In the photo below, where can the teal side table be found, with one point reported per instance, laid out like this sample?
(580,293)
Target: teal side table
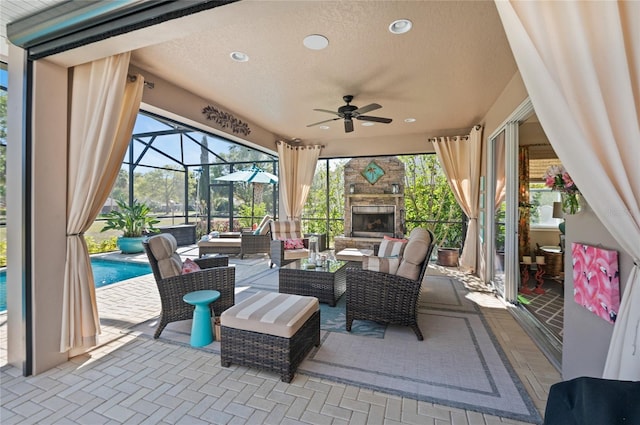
(201,331)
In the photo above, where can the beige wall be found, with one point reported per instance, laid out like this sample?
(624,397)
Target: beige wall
(586,336)
(173,102)
(48,223)
(510,98)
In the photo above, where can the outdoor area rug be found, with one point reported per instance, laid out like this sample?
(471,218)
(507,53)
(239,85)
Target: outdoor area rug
(459,363)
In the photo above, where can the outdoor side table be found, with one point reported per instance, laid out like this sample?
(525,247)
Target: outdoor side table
(201,330)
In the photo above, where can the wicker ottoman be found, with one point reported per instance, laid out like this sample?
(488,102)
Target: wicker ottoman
(270,331)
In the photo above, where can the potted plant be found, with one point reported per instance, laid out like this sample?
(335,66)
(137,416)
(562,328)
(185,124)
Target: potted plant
(134,221)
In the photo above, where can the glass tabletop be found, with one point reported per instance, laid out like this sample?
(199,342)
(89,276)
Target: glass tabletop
(331,266)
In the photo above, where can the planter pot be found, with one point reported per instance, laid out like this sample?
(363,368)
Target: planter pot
(448,257)
(130,245)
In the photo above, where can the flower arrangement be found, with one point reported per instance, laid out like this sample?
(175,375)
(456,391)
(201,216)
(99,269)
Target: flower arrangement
(557,178)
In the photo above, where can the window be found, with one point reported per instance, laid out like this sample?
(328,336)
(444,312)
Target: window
(542,198)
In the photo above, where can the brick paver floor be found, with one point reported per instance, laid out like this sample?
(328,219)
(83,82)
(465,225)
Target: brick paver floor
(143,381)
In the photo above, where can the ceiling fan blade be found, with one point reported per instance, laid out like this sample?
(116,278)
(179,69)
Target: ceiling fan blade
(328,111)
(368,108)
(348,126)
(374,119)
(322,122)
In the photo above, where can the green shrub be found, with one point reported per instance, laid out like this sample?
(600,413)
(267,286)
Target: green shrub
(105,245)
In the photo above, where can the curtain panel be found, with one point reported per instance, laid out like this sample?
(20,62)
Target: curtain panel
(297,168)
(524,207)
(580,62)
(461,160)
(104,106)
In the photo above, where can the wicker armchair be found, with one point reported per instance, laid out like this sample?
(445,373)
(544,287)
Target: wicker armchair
(172,286)
(281,230)
(254,244)
(390,298)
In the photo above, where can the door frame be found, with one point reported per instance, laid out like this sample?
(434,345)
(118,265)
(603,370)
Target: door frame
(511,261)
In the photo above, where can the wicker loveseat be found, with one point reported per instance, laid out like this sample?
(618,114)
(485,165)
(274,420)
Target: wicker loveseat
(172,285)
(390,297)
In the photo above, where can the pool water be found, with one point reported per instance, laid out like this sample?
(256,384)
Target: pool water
(105,272)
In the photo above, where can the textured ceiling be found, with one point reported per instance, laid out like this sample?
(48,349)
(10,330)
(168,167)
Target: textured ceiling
(446,72)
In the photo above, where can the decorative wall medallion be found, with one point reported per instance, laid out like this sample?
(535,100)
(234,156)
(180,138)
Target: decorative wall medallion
(372,172)
(226,120)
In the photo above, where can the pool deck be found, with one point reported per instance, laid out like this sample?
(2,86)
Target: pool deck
(127,376)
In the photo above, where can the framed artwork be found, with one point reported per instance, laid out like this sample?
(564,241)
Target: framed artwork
(596,280)
(372,172)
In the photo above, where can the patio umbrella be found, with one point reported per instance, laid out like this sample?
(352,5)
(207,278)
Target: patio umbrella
(254,174)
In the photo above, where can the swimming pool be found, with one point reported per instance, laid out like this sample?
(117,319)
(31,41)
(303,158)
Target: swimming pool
(105,272)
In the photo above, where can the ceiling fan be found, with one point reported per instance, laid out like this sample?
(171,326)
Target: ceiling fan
(350,112)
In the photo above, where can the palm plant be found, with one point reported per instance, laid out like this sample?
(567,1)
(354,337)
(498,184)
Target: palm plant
(134,220)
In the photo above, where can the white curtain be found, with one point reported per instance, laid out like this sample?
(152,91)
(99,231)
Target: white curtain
(461,160)
(297,167)
(104,106)
(580,62)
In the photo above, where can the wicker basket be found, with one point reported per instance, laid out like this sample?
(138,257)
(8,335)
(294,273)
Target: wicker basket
(553,263)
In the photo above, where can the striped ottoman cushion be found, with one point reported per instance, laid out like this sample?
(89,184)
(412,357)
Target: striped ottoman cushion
(271,313)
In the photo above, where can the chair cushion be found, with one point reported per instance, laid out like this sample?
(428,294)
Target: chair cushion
(381,264)
(295,254)
(271,313)
(415,254)
(264,229)
(163,247)
(286,230)
(392,248)
(263,222)
(189,266)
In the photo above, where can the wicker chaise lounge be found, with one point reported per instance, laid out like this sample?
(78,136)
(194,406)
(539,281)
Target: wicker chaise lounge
(390,297)
(166,266)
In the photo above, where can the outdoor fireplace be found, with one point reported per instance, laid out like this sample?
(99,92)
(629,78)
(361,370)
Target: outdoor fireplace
(373,221)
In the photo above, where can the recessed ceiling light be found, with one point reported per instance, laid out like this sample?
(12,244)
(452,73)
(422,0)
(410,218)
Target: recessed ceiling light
(315,42)
(324,127)
(239,56)
(409,120)
(367,124)
(400,26)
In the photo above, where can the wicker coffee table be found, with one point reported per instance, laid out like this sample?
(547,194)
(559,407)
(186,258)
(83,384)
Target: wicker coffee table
(325,283)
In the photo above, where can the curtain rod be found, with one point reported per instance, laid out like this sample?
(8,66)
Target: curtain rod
(435,139)
(133,78)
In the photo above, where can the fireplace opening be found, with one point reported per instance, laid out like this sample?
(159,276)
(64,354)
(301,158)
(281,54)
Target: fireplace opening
(374,221)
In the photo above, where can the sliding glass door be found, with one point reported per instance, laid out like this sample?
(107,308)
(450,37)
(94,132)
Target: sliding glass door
(502,205)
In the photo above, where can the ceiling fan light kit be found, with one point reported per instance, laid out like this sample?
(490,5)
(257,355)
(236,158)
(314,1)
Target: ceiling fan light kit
(349,112)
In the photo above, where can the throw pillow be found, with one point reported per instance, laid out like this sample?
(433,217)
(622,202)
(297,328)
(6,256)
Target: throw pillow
(189,266)
(390,248)
(389,238)
(293,243)
(381,264)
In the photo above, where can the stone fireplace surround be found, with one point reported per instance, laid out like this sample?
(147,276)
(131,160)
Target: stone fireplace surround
(365,194)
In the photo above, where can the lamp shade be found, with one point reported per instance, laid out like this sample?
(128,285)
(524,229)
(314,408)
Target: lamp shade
(557,210)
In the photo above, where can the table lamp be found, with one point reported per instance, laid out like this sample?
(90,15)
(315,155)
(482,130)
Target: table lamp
(558,213)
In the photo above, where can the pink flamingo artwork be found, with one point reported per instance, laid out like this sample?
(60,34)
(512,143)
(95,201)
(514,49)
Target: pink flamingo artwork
(596,280)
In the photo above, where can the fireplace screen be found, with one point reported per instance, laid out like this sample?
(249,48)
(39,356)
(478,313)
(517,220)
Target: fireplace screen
(373,221)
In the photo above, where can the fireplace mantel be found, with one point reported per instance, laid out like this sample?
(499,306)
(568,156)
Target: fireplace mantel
(374,195)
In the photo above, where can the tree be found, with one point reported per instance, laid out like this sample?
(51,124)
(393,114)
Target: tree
(165,186)
(429,201)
